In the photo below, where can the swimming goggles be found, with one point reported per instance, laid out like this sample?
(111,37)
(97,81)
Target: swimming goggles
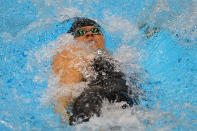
(81,32)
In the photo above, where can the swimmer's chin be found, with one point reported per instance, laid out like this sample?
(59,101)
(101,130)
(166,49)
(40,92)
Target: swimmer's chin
(90,44)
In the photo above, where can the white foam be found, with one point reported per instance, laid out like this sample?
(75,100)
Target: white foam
(114,118)
(177,16)
(56,90)
(6,37)
(118,24)
(7,124)
(128,56)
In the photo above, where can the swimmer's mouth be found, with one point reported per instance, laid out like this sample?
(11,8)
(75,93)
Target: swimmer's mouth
(91,41)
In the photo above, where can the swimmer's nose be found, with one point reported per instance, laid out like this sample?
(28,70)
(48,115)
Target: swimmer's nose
(89,34)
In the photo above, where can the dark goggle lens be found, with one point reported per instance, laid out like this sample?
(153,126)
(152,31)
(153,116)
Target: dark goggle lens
(95,31)
(80,33)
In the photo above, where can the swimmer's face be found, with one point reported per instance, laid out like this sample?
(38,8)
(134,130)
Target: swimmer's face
(91,35)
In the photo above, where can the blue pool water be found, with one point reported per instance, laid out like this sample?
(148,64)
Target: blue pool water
(167,59)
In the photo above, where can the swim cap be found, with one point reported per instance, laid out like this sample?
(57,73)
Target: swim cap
(81,22)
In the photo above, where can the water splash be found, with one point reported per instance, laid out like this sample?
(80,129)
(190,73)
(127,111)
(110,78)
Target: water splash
(26,53)
(177,17)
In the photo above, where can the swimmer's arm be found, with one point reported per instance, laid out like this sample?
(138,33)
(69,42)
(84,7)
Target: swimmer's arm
(64,62)
(62,66)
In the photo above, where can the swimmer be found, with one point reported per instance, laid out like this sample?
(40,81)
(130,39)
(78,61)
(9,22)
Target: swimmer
(107,84)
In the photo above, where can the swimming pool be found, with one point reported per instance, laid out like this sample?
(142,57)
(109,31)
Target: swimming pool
(166,60)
